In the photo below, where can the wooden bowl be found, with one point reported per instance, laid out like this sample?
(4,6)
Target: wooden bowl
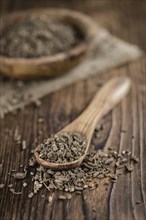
(54,65)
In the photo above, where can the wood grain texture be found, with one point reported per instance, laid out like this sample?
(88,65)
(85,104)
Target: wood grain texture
(124,127)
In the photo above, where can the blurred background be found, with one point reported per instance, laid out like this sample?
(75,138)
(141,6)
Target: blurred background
(126,19)
(122,128)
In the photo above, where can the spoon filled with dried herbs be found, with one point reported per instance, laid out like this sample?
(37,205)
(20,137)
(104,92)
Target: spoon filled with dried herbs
(68,148)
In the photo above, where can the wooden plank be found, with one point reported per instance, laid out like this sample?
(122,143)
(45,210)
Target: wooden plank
(133,184)
(124,127)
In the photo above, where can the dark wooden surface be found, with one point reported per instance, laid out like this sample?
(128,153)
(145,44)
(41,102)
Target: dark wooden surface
(125,200)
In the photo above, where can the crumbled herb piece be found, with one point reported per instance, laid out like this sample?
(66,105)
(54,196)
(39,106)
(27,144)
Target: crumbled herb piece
(40,120)
(14,192)
(32,162)
(79,192)
(108,161)
(23,145)
(113,176)
(24,184)
(135,158)
(124,160)
(123,152)
(37,102)
(35,36)
(50,199)
(94,209)
(69,196)
(62,197)
(129,167)
(30,195)
(64,147)
(19,176)
(2,186)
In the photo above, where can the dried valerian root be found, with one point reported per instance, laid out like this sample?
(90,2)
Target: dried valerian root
(63,147)
(19,176)
(14,192)
(24,145)
(36,37)
(96,165)
(2,185)
(134,158)
(30,195)
(129,168)
(63,197)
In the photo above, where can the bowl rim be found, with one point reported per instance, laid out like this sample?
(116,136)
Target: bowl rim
(75,51)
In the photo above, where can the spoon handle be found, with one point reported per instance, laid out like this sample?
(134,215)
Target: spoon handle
(104,101)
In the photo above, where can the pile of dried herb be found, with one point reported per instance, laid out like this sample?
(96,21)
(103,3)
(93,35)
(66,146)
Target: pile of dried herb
(97,165)
(36,37)
(62,148)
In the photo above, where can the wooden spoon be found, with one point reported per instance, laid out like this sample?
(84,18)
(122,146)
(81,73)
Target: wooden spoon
(108,96)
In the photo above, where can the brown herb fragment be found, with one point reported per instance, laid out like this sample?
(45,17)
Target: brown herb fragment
(129,168)
(124,160)
(64,147)
(45,38)
(71,189)
(128,152)
(111,148)
(96,174)
(40,120)
(79,192)
(50,199)
(19,176)
(110,160)
(18,139)
(37,103)
(94,209)
(123,152)
(14,192)
(2,185)
(16,134)
(113,177)
(23,145)
(32,162)
(118,165)
(62,197)
(135,158)
(69,196)
(24,184)
(30,195)
(119,173)
(78,188)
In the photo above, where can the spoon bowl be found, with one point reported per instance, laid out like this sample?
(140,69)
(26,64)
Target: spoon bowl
(103,102)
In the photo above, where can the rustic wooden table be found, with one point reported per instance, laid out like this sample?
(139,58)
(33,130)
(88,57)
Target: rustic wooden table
(124,127)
